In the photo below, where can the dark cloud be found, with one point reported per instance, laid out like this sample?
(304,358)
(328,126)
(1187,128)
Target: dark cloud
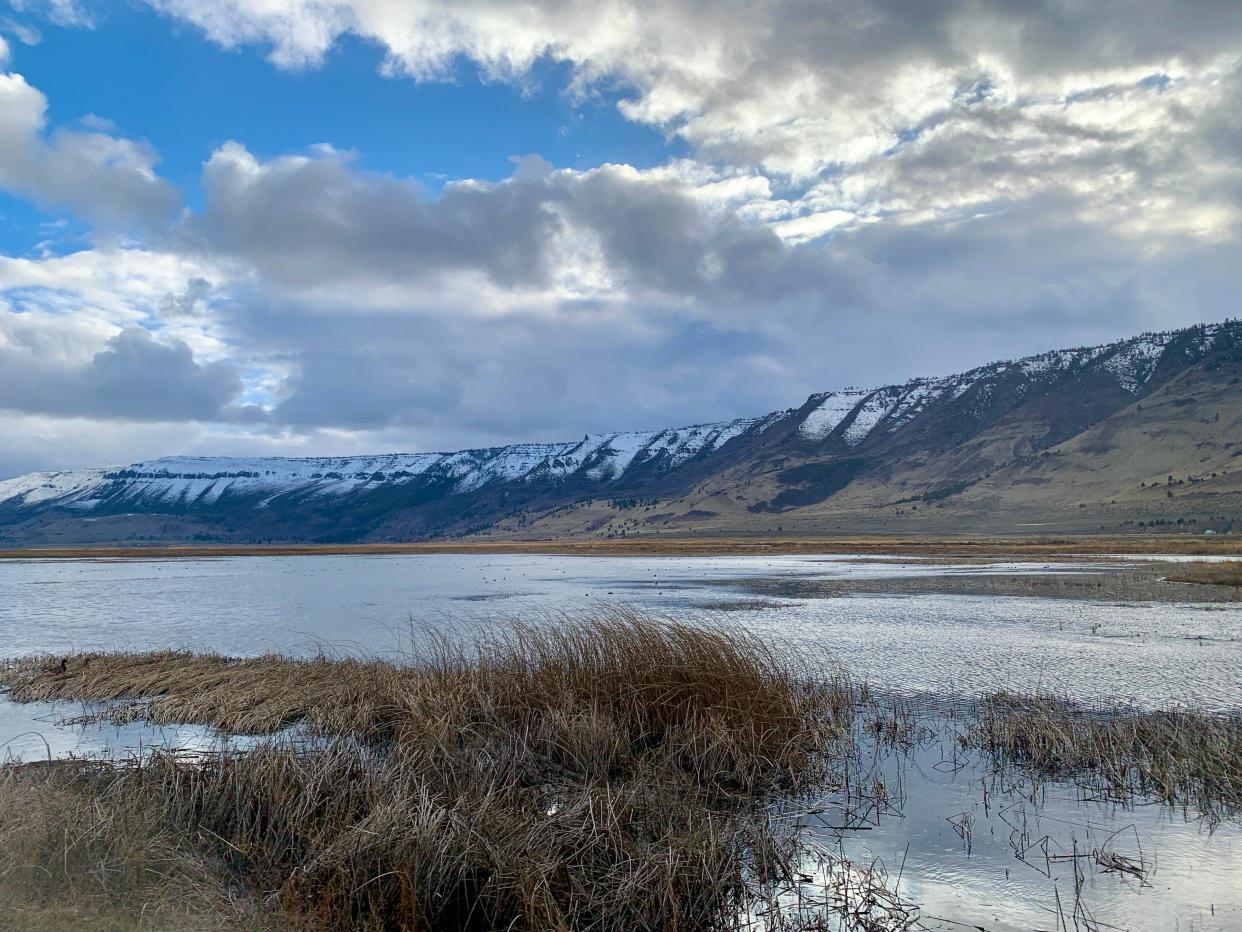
(188,302)
(309,221)
(305,220)
(458,381)
(134,378)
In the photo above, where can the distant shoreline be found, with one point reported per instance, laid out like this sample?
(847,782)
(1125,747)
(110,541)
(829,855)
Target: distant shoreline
(1060,546)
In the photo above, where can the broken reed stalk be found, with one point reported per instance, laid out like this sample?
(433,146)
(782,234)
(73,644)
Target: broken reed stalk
(1179,757)
(606,773)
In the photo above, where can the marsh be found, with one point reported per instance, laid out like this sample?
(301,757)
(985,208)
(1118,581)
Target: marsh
(917,811)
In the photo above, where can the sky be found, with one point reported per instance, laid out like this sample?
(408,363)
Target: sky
(324,227)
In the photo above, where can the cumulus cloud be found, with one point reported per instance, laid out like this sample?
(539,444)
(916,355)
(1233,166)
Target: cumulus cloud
(106,179)
(83,335)
(314,222)
(134,377)
(311,219)
(795,84)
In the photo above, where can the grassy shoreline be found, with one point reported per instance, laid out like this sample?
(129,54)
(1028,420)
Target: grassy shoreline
(608,772)
(1176,756)
(1135,581)
(1228,575)
(1060,546)
(612,773)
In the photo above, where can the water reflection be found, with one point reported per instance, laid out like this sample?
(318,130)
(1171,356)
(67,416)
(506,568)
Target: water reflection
(1147,652)
(46,730)
(973,845)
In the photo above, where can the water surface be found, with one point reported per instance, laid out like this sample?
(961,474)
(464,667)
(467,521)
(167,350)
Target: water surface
(946,648)
(1149,652)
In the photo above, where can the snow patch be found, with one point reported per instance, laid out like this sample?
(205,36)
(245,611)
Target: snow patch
(37,487)
(867,416)
(1134,362)
(830,412)
(204,480)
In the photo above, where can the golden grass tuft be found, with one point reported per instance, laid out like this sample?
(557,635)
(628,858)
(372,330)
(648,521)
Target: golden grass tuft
(608,772)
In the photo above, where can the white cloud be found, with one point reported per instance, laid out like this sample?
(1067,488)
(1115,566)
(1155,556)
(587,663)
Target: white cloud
(104,178)
(935,110)
(982,179)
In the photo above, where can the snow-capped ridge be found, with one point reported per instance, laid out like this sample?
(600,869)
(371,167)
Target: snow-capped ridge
(849,417)
(852,415)
(201,480)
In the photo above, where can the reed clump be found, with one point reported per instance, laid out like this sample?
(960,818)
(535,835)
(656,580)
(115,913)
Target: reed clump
(1176,756)
(81,850)
(602,773)
(1209,573)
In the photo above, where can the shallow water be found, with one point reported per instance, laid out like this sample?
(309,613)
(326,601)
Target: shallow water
(947,646)
(999,852)
(1150,653)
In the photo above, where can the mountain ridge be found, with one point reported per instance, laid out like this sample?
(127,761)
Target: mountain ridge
(922,437)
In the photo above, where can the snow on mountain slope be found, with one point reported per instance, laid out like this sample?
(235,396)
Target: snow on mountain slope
(203,480)
(36,487)
(830,412)
(849,416)
(864,411)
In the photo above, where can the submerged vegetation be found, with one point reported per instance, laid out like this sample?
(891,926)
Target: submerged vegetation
(614,772)
(1176,756)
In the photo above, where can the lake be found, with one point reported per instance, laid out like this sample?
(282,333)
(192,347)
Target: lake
(1146,652)
(939,649)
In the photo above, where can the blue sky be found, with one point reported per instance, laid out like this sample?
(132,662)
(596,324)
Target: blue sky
(158,80)
(337,226)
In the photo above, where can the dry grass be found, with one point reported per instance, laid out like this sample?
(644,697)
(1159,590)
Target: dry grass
(605,773)
(1178,757)
(82,851)
(1226,573)
(699,545)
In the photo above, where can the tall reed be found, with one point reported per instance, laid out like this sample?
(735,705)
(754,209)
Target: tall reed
(607,772)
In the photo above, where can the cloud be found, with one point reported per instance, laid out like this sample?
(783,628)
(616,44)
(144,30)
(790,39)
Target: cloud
(797,85)
(134,377)
(858,110)
(86,335)
(311,219)
(869,191)
(104,178)
(189,302)
(446,380)
(58,12)
(313,223)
